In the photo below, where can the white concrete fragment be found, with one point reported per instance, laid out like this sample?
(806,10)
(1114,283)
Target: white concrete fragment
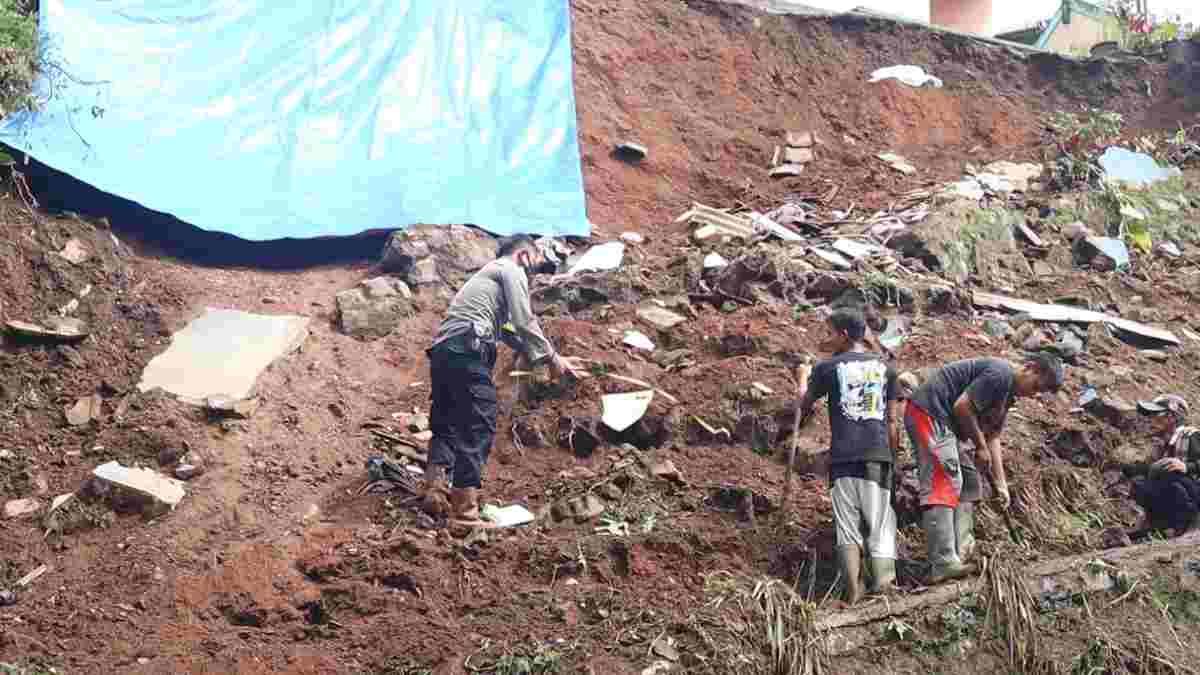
(165,491)
(222,353)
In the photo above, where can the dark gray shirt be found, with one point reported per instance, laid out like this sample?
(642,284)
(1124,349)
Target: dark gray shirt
(497,294)
(859,386)
(987,382)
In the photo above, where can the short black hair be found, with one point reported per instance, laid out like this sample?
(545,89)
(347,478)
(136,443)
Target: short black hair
(510,245)
(1050,367)
(849,321)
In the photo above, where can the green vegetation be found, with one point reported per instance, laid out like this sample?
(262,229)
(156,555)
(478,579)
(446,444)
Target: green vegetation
(20,58)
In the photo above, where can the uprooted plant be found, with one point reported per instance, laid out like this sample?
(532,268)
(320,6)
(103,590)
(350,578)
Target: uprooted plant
(1077,140)
(775,630)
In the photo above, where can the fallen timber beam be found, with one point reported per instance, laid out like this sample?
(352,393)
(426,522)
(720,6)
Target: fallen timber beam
(852,629)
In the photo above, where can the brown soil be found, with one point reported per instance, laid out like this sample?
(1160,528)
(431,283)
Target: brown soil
(275,563)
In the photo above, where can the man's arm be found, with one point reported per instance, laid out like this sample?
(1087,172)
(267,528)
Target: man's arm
(894,428)
(811,391)
(520,314)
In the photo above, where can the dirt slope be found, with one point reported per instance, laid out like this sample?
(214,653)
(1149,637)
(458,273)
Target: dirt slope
(247,576)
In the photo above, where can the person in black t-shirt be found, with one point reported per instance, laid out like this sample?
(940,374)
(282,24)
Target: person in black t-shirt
(861,391)
(966,401)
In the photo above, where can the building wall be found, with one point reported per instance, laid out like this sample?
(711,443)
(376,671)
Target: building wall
(1079,36)
(971,16)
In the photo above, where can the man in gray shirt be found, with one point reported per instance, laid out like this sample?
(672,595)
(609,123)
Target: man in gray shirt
(967,401)
(492,306)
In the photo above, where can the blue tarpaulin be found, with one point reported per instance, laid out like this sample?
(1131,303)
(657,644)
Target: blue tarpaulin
(268,119)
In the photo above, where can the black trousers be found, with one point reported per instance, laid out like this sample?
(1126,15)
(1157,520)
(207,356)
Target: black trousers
(1171,501)
(462,414)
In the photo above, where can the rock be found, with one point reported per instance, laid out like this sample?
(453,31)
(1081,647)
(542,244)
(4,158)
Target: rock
(898,163)
(528,434)
(1112,409)
(1076,231)
(188,471)
(7,598)
(1103,254)
(581,436)
(1068,346)
(19,508)
(632,238)
(627,151)
(75,252)
(1154,355)
(375,308)
(581,509)
(156,492)
(798,156)
(660,318)
(65,329)
(170,455)
(666,359)
(412,422)
(457,250)
(583,291)
(230,407)
(938,241)
(1167,249)
(424,273)
(997,328)
(84,411)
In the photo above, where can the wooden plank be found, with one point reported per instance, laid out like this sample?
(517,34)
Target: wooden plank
(1063,313)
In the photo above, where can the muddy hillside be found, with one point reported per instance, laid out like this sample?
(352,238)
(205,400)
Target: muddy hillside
(247,534)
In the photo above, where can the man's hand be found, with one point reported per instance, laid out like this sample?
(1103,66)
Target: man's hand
(1002,495)
(1170,465)
(563,365)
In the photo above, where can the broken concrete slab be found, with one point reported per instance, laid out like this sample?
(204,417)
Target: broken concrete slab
(64,329)
(19,508)
(84,411)
(222,353)
(662,319)
(1064,313)
(161,493)
(374,308)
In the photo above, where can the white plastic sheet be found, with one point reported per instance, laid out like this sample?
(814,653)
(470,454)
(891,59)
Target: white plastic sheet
(270,119)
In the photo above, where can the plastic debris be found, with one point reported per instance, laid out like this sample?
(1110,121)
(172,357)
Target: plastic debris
(1136,168)
(913,76)
(622,411)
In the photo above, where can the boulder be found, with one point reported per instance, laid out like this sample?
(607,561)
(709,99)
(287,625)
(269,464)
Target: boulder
(1112,409)
(374,308)
(457,251)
